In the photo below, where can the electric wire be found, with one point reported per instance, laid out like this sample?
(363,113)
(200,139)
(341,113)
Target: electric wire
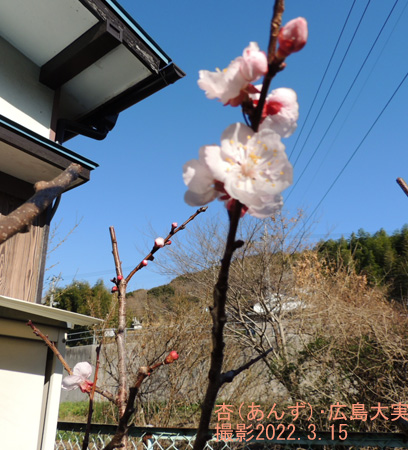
(379,57)
(344,99)
(356,149)
(323,78)
(333,81)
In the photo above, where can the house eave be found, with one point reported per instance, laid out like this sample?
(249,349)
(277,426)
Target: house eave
(21,310)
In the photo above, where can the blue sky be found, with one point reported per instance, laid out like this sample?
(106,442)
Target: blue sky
(139,186)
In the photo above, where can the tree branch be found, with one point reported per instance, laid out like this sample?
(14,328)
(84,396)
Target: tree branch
(219,319)
(45,193)
(123,425)
(149,256)
(227,377)
(52,346)
(91,399)
(275,64)
(121,398)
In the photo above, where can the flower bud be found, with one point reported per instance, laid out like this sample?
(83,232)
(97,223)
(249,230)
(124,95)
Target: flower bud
(174,225)
(114,289)
(120,277)
(159,242)
(144,262)
(171,357)
(168,242)
(292,37)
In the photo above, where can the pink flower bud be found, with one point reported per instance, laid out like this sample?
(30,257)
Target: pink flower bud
(114,289)
(174,225)
(120,277)
(159,242)
(292,37)
(168,242)
(171,357)
(144,262)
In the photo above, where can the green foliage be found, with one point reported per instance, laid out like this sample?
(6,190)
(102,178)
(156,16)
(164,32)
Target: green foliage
(80,297)
(162,291)
(103,412)
(379,256)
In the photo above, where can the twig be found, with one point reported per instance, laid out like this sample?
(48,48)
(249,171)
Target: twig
(123,425)
(120,334)
(51,345)
(45,193)
(91,398)
(227,377)
(403,185)
(149,256)
(275,64)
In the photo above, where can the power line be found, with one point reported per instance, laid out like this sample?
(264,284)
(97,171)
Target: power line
(357,148)
(323,77)
(344,99)
(358,96)
(332,83)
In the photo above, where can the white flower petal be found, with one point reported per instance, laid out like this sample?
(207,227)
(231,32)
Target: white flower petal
(83,369)
(194,199)
(71,382)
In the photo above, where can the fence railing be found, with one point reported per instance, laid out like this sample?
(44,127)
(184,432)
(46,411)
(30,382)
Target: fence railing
(70,436)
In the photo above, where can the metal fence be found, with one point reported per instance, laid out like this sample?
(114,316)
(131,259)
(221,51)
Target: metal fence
(70,437)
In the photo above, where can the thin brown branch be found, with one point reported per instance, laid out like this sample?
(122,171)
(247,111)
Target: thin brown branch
(227,377)
(91,399)
(219,319)
(45,193)
(121,398)
(149,256)
(51,345)
(123,425)
(275,64)
(403,185)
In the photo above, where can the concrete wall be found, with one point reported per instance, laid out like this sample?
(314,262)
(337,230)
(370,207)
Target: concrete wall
(23,98)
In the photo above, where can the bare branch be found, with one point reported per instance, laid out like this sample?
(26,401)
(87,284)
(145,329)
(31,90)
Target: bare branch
(45,193)
(120,333)
(403,185)
(275,64)
(51,345)
(227,377)
(91,398)
(149,256)
(123,426)
(219,319)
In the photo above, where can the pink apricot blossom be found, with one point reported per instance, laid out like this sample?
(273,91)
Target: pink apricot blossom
(250,167)
(280,111)
(232,84)
(79,379)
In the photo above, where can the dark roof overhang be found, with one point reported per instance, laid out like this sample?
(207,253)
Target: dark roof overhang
(29,157)
(96,58)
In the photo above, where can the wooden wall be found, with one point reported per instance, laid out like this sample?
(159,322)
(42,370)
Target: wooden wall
(22,258)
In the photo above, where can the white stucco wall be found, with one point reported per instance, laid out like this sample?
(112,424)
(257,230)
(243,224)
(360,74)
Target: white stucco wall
(23,98)
(21,392)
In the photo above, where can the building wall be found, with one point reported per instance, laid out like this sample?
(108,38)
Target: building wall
(23,98)
(22,257)
(21,391)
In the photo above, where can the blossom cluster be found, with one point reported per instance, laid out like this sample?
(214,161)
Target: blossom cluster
(249,166)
